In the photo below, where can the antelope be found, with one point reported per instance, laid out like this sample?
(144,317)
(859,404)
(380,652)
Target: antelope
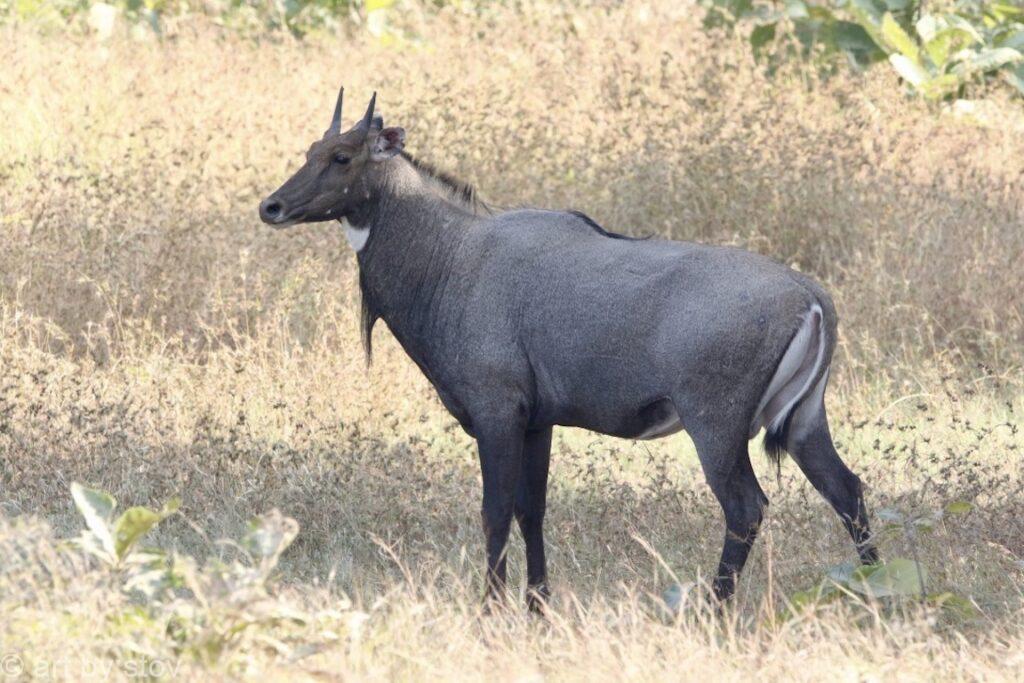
(531,318)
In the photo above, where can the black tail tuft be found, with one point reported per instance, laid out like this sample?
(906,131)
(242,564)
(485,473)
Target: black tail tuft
(775,440)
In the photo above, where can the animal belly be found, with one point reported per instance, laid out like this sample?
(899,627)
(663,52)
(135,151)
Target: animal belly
(651,421)
(669,425)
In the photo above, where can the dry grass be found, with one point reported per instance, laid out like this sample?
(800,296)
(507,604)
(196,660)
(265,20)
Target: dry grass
(155,338)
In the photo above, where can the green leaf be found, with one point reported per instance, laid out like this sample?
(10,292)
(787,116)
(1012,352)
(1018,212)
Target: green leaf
(927,524)
(152,575)
(132,525)
(851,36)
(898,39)
(988,60)
(870,19)
(929,25)
(942,35)
(269,536)
(961,24)
(820,594)
(797,9)
(1003,11)
(957,604)
(898,577)
(842,573)
(727,12)
(1013,40)
(763,14)
(869,10)
(100,546)
(823,15)
(1015,78)
(97,507)
(944,43)
(958,507)
(911,71)
(171,506)
(761,36)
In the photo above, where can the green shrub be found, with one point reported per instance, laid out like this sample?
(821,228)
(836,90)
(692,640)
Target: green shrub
(298,17)
(939,49)
(208,611)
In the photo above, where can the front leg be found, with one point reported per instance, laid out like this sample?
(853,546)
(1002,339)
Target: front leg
(500,443)
(531,497)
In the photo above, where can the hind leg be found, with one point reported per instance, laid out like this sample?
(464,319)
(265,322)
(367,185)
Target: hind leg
(810,444)
(726,466)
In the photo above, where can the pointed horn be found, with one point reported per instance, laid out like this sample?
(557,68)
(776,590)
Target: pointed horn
(336,119)
(368,117)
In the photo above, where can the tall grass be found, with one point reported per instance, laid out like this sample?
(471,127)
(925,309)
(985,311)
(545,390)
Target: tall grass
(120,159)
(155,339)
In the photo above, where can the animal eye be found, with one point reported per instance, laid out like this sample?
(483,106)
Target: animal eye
(341,159)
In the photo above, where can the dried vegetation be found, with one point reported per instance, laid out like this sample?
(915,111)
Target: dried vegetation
(155,339)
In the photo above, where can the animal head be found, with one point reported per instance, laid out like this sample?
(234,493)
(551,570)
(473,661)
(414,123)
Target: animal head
(342,170)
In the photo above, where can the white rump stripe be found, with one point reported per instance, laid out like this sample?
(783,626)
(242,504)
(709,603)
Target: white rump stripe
(795,374)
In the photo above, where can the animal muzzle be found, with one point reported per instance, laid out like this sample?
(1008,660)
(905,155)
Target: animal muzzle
(275,211)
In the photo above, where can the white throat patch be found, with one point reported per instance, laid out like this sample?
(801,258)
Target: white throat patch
(356,236)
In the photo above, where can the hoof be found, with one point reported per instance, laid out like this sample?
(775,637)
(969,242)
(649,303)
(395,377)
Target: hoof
(538,598)
(495,602)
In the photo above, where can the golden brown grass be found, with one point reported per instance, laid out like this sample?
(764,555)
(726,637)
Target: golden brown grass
(156,339)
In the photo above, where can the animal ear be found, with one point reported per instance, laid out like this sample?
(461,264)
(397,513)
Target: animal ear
(377,123)
(387,144)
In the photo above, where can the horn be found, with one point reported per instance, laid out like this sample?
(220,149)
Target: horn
(368,117)
(336,119)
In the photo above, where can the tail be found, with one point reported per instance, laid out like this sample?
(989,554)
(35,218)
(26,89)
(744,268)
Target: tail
(798,385)
(775,439)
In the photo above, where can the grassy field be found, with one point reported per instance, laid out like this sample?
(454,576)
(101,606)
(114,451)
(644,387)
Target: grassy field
(157,340)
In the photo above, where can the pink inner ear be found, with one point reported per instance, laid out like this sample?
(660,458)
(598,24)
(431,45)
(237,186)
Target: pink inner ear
(389,141)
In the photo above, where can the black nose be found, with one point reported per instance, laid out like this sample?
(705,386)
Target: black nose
(271,210)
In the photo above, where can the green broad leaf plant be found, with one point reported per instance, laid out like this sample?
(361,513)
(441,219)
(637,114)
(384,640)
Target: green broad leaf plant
(896,579)
(939,49)
(211,611)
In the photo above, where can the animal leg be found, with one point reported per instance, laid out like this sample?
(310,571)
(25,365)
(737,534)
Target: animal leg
(810,444)
(501,457)
(530,504)
(728,472)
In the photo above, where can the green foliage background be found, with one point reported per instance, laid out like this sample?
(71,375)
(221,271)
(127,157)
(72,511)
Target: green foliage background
(940,49)
(298,17)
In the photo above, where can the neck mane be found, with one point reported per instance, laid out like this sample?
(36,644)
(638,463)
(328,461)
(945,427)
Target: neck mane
(448,185)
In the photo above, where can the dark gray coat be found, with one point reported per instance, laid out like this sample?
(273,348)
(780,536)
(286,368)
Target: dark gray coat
(530,319)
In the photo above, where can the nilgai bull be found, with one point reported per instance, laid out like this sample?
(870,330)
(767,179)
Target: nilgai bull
(530,318)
